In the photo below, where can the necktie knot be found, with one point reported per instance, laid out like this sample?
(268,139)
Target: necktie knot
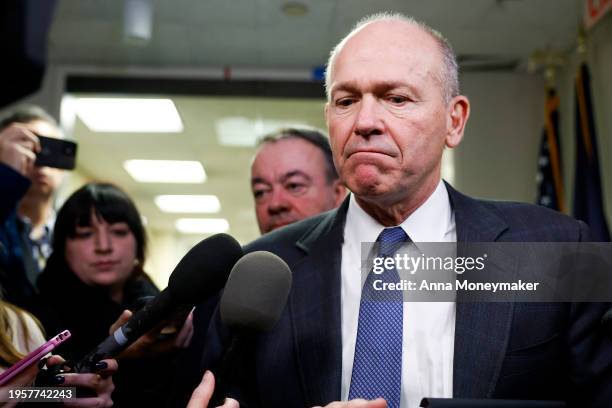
(390,240)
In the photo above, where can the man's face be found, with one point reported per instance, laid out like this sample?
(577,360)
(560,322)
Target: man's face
(45,180)
(288,180)
(387,118)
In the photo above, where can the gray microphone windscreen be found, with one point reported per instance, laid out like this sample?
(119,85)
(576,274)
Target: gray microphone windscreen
(256,292)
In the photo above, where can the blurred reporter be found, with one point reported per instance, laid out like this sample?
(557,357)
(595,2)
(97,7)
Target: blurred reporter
(26,210)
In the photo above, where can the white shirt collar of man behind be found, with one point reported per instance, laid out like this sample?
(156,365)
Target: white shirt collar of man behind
(429,328)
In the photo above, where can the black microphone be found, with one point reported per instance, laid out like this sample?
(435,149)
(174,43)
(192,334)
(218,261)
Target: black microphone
(200,274)
(254,297)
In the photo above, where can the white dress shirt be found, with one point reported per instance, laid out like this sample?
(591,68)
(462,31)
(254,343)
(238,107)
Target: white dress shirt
(428,327)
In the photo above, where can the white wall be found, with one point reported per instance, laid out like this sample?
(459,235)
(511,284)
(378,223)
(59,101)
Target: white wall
(497,158)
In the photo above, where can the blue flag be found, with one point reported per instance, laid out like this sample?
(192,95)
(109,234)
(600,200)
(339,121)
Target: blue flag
(588,198)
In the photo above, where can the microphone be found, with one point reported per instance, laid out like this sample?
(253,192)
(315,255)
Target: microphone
(256,292)
(252,302)
(201,273)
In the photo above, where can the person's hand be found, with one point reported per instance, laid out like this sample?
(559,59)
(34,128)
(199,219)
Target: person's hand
(150,344)
(18,147)
(358,403)
(23,379)
(100,382)
(203,392)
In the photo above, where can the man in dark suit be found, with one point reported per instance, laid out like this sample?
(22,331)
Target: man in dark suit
(393,106)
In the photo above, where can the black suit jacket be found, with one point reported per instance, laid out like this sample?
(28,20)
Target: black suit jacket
(502,350)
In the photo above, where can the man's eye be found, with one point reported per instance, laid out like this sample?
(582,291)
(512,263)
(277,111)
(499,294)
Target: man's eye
(295,187)
(258,193)
(344,102)
(397,100)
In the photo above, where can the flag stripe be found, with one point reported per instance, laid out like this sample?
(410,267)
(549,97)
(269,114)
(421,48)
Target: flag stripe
(552,104)
(583,117)
(588,195)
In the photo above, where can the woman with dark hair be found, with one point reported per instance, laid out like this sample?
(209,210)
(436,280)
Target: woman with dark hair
(94,273)
(95,270)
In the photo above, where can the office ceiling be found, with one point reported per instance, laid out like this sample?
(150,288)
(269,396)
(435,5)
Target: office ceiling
(195,33)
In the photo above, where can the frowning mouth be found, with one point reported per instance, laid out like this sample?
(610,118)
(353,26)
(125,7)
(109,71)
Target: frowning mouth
(368,154)
(371,150)
(368,151)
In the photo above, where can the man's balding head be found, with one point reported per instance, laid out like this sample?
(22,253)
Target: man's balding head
(448,75)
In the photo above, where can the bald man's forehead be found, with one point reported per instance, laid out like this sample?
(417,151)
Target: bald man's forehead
(379,38)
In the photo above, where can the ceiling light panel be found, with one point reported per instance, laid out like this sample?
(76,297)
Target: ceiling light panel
(129,115)
(188,203)
(165,171)
(241,131)
(202,225)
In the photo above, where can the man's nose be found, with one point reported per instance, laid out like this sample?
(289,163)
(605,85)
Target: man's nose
(368,121)
(278,202)
(103,242)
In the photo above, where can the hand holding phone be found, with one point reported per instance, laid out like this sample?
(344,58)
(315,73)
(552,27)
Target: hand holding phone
(33,358)
(56,153)
(18,147)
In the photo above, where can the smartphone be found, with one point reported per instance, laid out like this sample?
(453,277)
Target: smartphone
(56,153)
(34,357)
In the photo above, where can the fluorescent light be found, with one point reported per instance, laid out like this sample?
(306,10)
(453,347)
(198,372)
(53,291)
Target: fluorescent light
(137,21)
(202,225)
(129,115)
(188,203)
(245,132)
(165,171)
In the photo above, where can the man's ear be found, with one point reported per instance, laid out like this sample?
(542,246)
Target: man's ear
(339,192)
(459,112)
(325,111)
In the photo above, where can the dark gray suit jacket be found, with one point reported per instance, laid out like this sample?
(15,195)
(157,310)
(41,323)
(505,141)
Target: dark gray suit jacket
(502,350)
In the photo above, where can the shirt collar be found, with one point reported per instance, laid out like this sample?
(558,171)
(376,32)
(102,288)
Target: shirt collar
(431,222)
(47,227)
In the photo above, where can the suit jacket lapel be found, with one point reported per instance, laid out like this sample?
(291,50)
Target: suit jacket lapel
(315,309)
(482,330)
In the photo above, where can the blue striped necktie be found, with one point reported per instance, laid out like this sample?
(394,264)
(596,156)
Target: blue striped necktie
(377,367)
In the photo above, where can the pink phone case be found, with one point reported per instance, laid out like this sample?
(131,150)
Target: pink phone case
(33,357)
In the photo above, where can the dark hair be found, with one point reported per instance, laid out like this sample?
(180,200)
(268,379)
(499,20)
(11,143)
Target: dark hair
(311,136)
(108,202)
(27,114)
